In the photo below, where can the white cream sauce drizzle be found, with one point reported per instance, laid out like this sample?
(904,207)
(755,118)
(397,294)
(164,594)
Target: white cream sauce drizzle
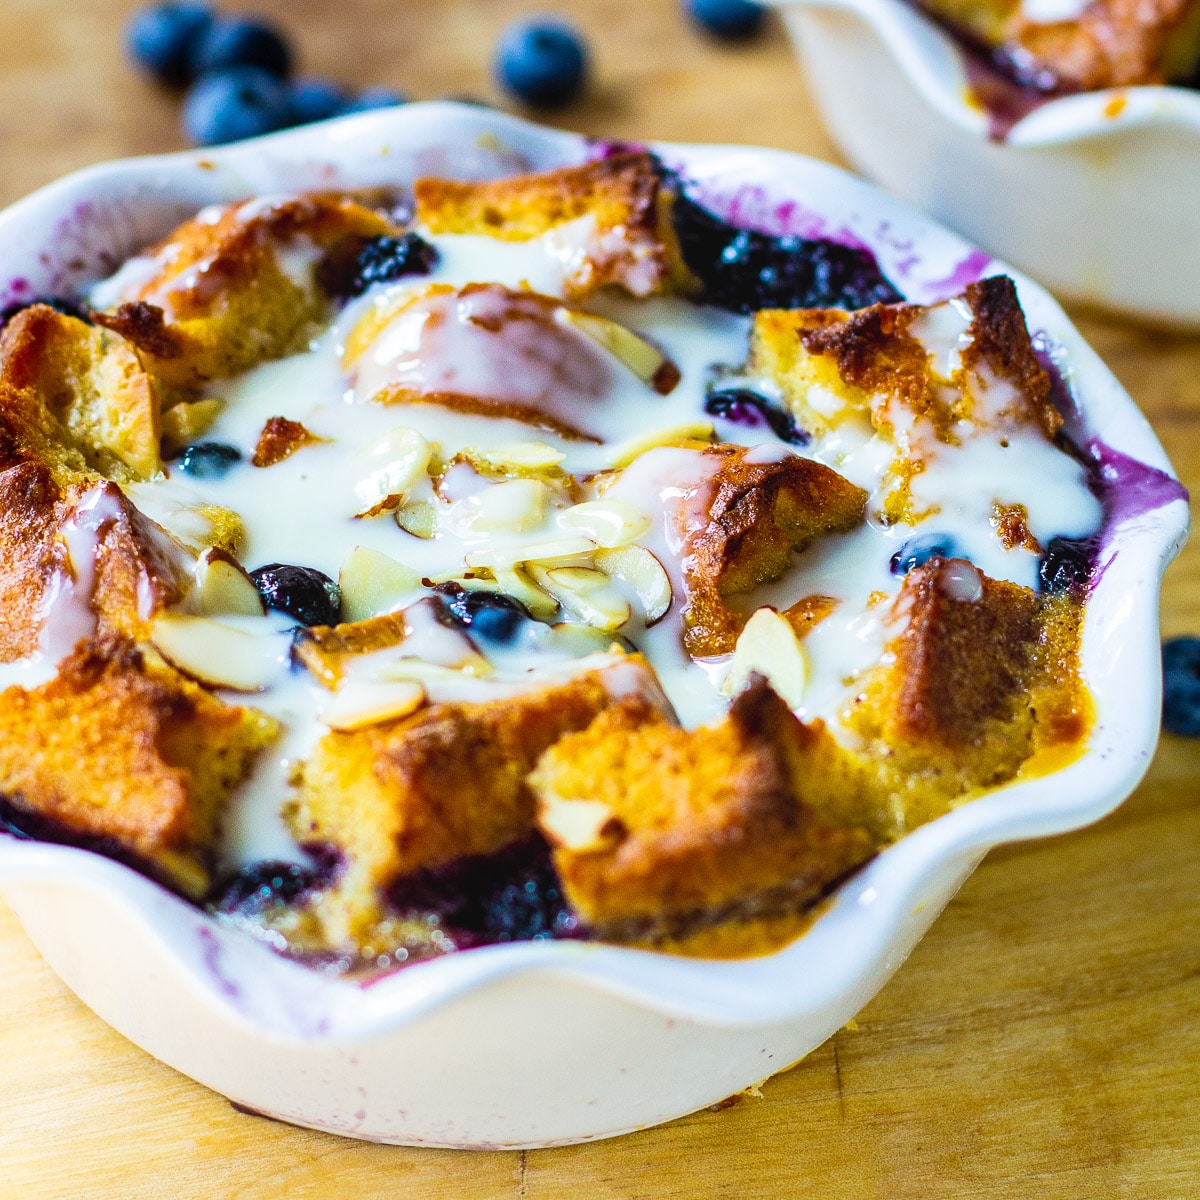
(301,510)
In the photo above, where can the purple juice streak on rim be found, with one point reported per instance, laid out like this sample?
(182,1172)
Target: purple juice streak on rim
(970,269)
(211,949)
(1129,487)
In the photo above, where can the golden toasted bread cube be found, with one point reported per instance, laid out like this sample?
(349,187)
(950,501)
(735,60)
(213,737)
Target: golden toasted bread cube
(965,364)
(757,514)
(1110,43)
(658,831)
(93,383)
(238,286)
(445,783)
(128,756)
(616,208)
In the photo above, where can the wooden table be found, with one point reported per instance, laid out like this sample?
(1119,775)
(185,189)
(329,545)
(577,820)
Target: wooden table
(1044,1039)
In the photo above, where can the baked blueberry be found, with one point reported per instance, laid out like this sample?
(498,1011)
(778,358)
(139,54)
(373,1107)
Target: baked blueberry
(209,460)
(241,42)
(1067,563)
(542,62)
(731,19)
(304,593)
(228,106)
(315,99)
(491,616)
(162,38)
(743,406)
(917,551)
(1181,686)
(370,99)
(743,270)
(60,304)
(262,886)
(355,264)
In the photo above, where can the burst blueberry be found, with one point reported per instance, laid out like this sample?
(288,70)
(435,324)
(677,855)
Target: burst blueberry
(162,38)
(1068,563)
(491,616)
(1181,686)
(542,62)
(733,20)
(209,460)
(743,406)
(241,42)
(262,886)
(917,551)
(303,593)
(355,265)
(229,106)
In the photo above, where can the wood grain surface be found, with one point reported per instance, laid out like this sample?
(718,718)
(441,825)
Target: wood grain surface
(1043,1041)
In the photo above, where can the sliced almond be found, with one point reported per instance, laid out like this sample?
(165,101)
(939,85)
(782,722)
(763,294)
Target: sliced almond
(418,517)
(609,523)
(374,583)
(640,570)
(647,362)
(623,453)
(768,646)
(420,671)
(587,594)
(565,551)
(579,825)
(516,457)
(516,506)
(216,654)
(515,583)
(223,588)
(358,704)
(396,462)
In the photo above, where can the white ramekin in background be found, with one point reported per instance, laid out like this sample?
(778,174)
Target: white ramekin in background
(533,1044)
(1093,194)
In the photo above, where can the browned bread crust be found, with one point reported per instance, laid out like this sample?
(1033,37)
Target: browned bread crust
(704,825)
(631,243)
(126,750)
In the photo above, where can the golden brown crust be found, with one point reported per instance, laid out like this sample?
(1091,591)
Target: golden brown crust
(631,242)
(705,825)
(120,749)
(756,515)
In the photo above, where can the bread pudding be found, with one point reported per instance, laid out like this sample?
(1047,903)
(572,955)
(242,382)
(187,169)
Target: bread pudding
(538,558)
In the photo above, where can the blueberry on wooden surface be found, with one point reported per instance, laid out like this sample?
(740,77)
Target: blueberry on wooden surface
(729,19)
(1181,686)
(917,551)
(356,264)
(304,593)
(162,38)
(743,270)
(228,106)
(370,99)
(491,616)
(209,460)
(542,61)
(241,42)
(313,99)
(743,406)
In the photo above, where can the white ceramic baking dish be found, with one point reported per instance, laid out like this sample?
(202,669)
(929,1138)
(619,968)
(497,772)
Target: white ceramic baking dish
(1093,194)
(540,1043)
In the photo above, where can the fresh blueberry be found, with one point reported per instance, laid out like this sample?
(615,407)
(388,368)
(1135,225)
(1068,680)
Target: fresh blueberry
(1181,686)
(304,593)
(241,42)
(917,551)
(209,460)
(542,62)
(312,100)
(731,19)
(491,616)
(369,99)
(262,886)
(162,37)
(743,270)
(356,264)
(1067,563)
(742,406)
(231,105)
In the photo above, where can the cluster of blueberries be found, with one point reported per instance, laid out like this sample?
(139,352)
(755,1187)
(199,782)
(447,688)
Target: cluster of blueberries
(238,69)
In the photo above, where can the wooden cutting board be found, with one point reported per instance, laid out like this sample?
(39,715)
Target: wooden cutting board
(1043,1041)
